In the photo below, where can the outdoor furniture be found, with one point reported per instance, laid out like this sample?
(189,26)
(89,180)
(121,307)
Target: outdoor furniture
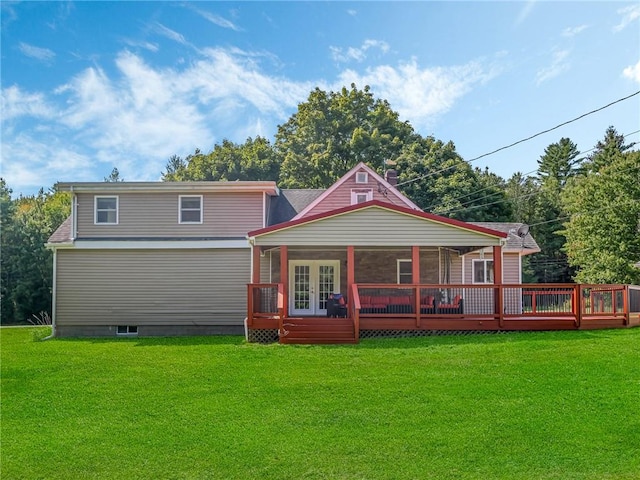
(400,304)
(454,307)
(336,305)
(373,304)
(427,304)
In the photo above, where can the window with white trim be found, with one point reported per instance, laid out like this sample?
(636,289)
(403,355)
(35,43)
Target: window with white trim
(190,209)
(127,330)
(106,210)
(362,177)
(483,271)
(361,195)
(405,271)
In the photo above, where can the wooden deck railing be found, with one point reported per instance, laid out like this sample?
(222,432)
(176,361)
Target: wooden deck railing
(462,306)
(265,303)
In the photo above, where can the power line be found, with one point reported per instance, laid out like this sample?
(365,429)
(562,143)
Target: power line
(465,207)
(556,127)
(524,139)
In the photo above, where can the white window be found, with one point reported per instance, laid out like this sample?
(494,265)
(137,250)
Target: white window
(126,330)
(361,195)
(483,271)
(106,210)
(405,271)
(362,177)
(190,209)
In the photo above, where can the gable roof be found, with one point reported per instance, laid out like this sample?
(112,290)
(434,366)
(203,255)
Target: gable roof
(62,234)
(359,167)
(290,202)
(296,221)
(526,245)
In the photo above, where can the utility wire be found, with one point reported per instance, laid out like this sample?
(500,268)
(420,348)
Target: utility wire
(524,139)
(465,207)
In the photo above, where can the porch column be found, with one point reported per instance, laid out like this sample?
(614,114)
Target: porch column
(415,278)
(284,276)
(497,280)
(255,265)
(415,264)
(351,269)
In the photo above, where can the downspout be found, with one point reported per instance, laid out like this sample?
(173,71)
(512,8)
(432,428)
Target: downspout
(74,216)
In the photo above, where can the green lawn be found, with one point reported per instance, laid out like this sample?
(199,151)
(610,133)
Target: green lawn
(563,405)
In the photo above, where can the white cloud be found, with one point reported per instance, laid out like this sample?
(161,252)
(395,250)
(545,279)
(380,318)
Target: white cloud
(357,53)
(573,31)
(170,34)
(629,15)
(558,66)
(421,94)
(41,161)
(632,72)
(152,47)
(138,117)
(42,54)
(16,103)
(215,19)
(226,75)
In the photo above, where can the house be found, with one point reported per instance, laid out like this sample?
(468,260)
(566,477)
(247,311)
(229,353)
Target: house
(176,258)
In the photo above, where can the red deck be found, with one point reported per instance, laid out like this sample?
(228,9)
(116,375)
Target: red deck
(519,307)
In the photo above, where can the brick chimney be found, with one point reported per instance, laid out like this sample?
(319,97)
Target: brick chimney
(391,176)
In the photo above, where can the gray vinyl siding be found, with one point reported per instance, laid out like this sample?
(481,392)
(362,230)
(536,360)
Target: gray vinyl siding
(510,266)
(376,227)
(456,267)
(152,287)
(155,215)
(481,301)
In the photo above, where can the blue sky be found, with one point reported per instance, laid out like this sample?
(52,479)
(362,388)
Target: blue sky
(88,86)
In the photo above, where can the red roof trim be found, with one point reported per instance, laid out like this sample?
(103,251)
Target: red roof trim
(377,203)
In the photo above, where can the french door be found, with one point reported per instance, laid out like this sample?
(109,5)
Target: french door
(310,283)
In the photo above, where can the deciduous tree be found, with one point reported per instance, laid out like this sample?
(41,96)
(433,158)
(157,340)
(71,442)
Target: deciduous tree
(331,132)
(603,233)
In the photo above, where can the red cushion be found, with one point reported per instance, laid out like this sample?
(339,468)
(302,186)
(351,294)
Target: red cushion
(428,300)
(404,300)
(379,302)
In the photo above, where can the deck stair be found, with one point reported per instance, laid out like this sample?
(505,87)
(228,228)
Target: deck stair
(314,330)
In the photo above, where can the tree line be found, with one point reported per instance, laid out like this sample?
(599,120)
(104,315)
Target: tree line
(584,211)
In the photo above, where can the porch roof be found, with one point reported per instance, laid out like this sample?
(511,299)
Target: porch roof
(377,223)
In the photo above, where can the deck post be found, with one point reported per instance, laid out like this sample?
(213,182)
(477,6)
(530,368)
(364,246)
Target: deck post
(625,305)
(577,304)
(351,268)
(415,279)
(497,280)
(255,265)
(284,278)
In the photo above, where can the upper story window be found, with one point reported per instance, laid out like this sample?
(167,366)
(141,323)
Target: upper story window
(362,177)
(361,195)
(405,271)
(190,209)
(106,210)
(483,271)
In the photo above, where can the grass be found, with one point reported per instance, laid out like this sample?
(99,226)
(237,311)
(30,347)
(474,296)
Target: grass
(561,405)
